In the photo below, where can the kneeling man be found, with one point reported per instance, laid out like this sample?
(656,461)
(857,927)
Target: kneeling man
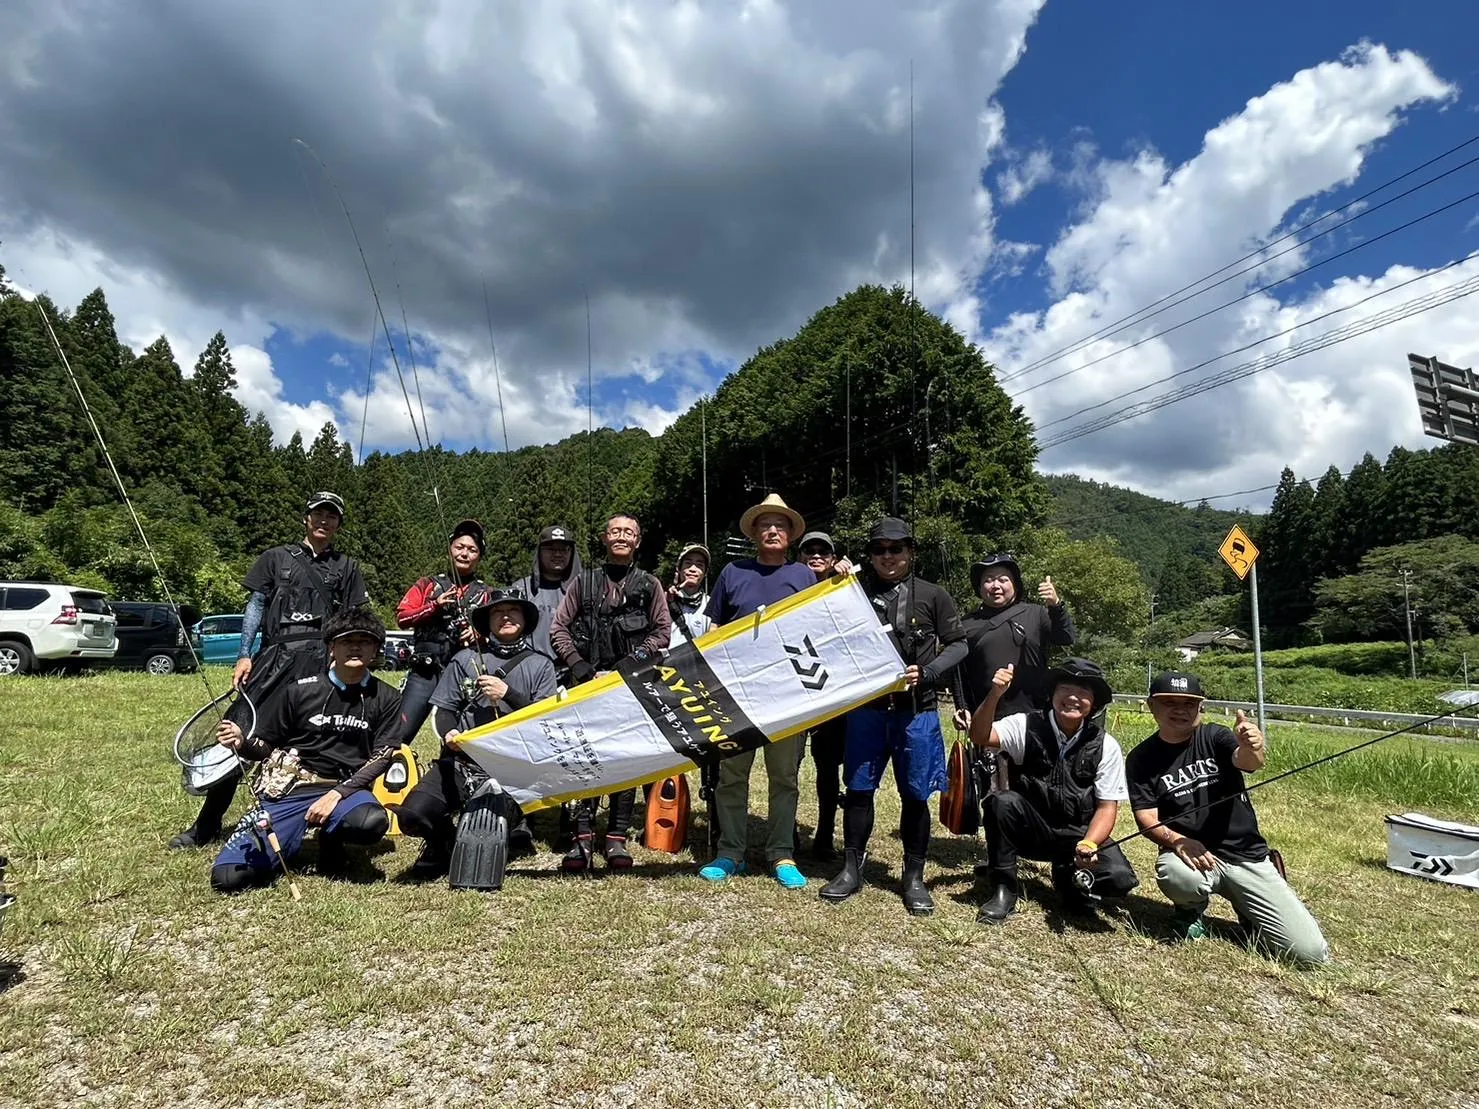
(1188,793)
(328,738)
(1065,782)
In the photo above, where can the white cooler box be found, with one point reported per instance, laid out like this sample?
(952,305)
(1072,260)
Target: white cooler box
(1436,849)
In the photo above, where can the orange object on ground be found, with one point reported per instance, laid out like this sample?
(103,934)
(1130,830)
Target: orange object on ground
(667,815)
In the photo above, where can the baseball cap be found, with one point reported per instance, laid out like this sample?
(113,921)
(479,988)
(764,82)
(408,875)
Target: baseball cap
(557,533)
(1175,683)
(890,529)
(319,499)
(473,530)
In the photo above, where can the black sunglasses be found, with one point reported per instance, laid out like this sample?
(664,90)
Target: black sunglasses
(888,548)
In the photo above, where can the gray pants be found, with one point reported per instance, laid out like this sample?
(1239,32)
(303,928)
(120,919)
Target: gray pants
(1282,925)
(733,799)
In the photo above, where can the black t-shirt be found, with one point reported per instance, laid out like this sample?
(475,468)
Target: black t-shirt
(335,731)
(1176,778)
(296,607)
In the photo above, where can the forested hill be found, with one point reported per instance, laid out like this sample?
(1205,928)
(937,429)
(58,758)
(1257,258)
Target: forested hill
(1174,546)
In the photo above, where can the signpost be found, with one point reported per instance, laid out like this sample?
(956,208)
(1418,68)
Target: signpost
(1241,555)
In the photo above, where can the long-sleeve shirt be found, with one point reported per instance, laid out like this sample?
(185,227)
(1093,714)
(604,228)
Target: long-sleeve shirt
(1019,635)
(659,620)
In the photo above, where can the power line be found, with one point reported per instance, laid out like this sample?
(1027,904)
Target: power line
(1131,318)
(1404,311)
(1258,342)
(1253,292)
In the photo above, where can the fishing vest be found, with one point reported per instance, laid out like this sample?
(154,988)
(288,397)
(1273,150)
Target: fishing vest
(606,633)
(1060,789)
(441,638)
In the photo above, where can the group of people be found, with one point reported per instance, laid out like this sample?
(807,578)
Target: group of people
(327,728)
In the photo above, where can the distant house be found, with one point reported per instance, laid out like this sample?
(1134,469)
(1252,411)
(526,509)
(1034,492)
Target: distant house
(1225,639)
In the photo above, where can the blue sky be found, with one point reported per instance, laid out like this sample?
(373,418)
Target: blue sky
(710,174)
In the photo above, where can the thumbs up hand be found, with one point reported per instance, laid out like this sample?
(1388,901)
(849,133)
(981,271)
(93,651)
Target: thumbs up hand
(1003,677)
(1047,592)
(1247,732)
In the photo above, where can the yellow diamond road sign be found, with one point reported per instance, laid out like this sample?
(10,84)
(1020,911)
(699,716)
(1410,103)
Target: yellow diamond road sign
(1239,552)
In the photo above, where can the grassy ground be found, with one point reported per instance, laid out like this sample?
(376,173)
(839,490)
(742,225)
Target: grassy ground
(142,987)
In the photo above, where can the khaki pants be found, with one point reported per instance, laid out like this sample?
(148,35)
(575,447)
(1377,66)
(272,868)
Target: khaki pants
(1282,925)
(733,799)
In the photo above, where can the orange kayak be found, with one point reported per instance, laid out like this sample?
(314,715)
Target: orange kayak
(667,815)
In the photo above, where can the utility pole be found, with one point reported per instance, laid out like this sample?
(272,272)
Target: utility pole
(703,424)
(1407,612)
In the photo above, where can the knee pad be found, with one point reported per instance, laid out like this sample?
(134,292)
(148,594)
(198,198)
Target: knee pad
(233,878)
(364,824)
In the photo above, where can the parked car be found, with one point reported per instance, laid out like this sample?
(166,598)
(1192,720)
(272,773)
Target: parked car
(396,653)
(151,636)
(42,622)
(217,638)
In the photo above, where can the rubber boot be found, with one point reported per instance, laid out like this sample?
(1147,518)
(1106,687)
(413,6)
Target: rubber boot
(849,881)
(1002,902)
(578,859)
(617,855)
(915,893)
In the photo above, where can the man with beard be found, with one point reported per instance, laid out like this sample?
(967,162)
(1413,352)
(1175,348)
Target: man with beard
(481,683)
(1190,799)
(292,590)
(904,727)
(327,739)
(610,613)
(436,609)
(556,566)
(1009,630)
(1065,782)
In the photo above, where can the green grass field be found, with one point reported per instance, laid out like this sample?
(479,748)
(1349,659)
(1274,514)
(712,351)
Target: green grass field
(142,987)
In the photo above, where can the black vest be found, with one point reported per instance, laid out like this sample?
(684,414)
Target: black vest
(606,633)
(1061,790)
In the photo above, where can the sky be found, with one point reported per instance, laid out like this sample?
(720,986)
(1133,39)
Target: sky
(702,177)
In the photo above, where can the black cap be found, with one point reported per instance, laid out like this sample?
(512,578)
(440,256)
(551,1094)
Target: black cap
(1175,683)
(890,529)
(557,533)
(473,530)
(1080,671)
(480,616)
(319,499)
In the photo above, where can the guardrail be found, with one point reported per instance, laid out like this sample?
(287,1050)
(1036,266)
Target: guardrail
(1346,716)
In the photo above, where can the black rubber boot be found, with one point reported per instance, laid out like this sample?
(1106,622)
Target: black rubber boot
(432,863)
(578,859)
(617,855)
(849,881)
(195,836)
(1002,902)
(915,893)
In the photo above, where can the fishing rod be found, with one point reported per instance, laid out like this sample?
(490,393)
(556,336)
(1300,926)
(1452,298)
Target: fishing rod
(1085,878)
(497,377)
(260,820)
(400,375)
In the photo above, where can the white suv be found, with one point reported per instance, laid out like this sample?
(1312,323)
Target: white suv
(40,621)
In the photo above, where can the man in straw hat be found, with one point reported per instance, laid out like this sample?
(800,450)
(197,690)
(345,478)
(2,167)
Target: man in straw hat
(742,588)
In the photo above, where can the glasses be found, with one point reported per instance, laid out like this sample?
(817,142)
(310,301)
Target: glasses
(888,549)
(816,552)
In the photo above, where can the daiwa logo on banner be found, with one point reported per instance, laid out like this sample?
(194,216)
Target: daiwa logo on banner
(813,676)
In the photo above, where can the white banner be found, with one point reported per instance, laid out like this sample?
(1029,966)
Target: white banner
(1438,849)
(762,678)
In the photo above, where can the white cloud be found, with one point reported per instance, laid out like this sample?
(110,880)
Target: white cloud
(1151,227)
(1024,175)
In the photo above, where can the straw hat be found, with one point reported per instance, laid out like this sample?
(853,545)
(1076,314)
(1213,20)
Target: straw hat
(772,503)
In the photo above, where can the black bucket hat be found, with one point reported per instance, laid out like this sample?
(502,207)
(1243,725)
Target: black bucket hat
(978,571)
(1080,671)
(890,529)
(481,614)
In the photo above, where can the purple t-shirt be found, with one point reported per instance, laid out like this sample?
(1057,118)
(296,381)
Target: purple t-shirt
(745,585)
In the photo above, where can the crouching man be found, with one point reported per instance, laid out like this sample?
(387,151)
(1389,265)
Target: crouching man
(329,736)
(1187,790)
(504,674)
(1065,782)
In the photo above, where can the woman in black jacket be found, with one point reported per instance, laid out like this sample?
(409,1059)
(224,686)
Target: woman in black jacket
(1009,630)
